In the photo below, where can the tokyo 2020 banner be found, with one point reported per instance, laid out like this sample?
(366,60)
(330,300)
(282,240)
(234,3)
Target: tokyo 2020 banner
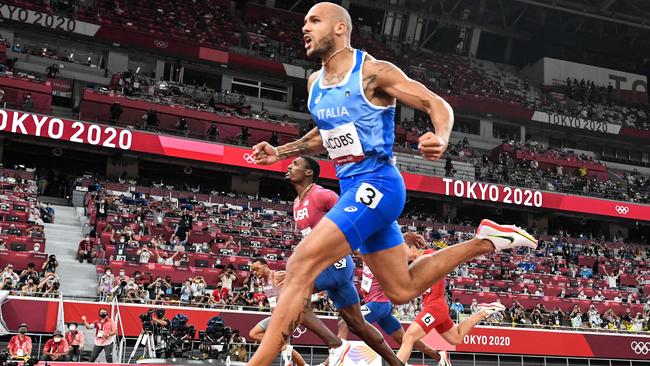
(42,317)
(116,138)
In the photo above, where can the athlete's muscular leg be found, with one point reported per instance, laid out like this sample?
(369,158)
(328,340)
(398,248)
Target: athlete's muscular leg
(402,282)
(456,334)
(316,326)
(413,334)
(325,245)
(398,336)
(369,334)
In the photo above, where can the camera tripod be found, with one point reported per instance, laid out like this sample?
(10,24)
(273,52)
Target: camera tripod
(146,341)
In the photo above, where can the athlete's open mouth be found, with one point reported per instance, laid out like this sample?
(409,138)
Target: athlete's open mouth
(307,40)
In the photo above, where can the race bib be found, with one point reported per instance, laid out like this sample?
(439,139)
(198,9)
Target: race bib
(343,144)
(272,301)
(366,283)
(340,264)
(365,310)
(305,231)
(20,353)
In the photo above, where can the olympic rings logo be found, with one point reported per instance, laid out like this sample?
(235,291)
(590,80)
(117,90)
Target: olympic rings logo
(640,348)
(623,210)
(249,158)
(160,44)
(298,332)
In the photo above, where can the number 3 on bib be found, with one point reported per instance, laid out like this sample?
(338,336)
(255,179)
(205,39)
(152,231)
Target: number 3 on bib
(368,195)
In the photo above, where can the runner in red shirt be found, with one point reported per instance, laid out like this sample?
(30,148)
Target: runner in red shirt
(435,311)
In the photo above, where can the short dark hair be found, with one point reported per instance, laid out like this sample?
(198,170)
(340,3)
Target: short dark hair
(261,260)
(313,165)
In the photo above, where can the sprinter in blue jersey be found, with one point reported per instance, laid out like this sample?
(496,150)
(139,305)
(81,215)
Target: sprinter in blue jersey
(352,100)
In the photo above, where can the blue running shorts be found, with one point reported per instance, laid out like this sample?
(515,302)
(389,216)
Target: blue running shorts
(368,208)
(338,281)
(382,314)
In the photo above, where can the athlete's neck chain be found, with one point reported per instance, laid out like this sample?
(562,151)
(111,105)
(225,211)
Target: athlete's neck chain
(304,193)
(324,63)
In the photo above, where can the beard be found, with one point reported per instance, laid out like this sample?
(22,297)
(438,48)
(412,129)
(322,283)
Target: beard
(324,47)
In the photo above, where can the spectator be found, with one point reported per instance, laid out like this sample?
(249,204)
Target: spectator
(116,112)
(3,103)
(182,127)
(85,249)
(594,317)
(556,317)
(105,332)
(456,309)
(8,273)
(50,265)
(586,272)
(144,255)
(474,307)
(20,345)
(151,120)
(52,71)
(527,265)
(213,132)
(227,278)
(599,296)
(576,316)
(28,103)
(30,273)
(56,349)
(75,340)
(449,168)
(612,279)
(187,290)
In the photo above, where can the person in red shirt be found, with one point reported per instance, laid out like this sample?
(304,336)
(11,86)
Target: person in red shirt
(56,349)
(435,311)
(20,345)
(84,250)
(75,340)
(105,332)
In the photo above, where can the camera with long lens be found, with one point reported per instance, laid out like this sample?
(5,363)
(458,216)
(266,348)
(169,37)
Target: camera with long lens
(181,335)
(5,359)
(145,318)
(215,340)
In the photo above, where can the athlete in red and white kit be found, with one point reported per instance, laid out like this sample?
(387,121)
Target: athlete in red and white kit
(435,311)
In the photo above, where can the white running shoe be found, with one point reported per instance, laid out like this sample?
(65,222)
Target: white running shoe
(337,355)
(505,236)
(491,308)
(444,359)
(287,359)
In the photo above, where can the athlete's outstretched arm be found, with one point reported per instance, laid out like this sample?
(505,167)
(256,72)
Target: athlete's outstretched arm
(392,81)
(311,144)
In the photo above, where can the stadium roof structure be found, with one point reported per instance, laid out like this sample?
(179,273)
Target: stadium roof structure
(627,20)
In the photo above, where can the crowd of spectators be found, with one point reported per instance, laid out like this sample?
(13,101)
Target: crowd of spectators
(147,230)
(587,100)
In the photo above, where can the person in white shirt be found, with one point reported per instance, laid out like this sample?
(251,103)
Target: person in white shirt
(474,307)
(612,279)
(539,292)
(144,255)
(227,278)
(599,296)
(582,295)
(164,258)
(618,298)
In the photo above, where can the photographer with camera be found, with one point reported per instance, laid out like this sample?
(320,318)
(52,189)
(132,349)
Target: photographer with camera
(216,339)
(105,332)
(50,265)
(237,347)
(156,325)
(180,337)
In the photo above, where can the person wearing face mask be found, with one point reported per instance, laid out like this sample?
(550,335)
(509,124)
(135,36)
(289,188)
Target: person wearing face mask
(144,255)
(105,332)
(28,103)
(106,283)
(56,349)
(20,345)
(30,288)
(75,340)
(121,277)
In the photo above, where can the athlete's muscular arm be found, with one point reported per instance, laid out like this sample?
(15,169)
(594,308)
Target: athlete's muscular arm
(383,81)
(311,144)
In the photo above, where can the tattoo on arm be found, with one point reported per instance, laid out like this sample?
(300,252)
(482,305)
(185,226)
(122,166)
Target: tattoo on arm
(298,147)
